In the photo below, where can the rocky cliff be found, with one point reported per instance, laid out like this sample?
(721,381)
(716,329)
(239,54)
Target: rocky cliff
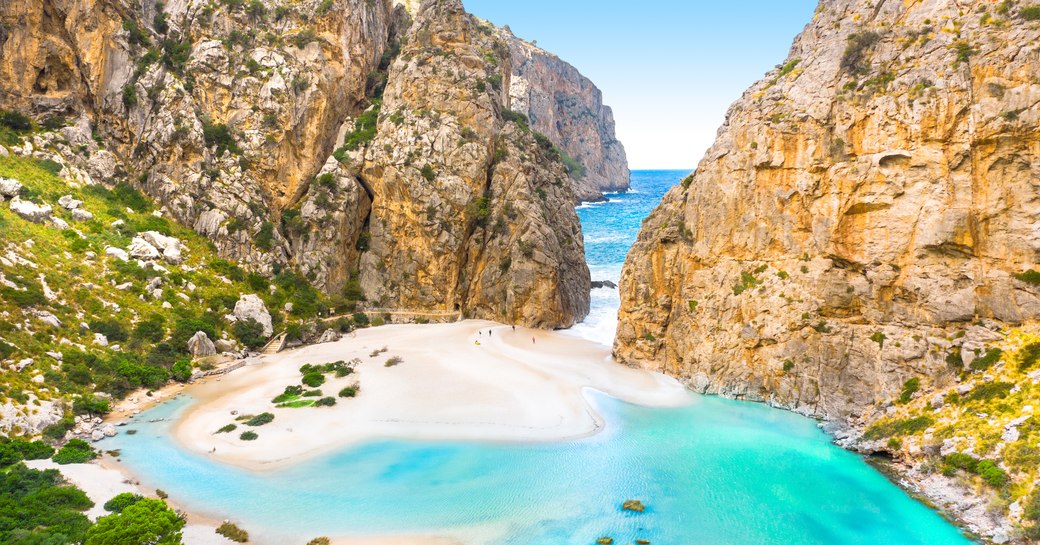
(863,220)
(879,184)
(568,108)
(357,141)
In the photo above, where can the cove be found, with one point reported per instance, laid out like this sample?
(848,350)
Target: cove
(713,472)
(716,471)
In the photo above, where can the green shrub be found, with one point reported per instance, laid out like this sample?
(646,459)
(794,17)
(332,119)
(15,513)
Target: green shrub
(516,117)
(290,393)
(1029,356)
(879,338)
(219,135)
(15,121)
(986,361)
(1029,277)
(248,436)
(910,387)
(91,406)
(313,379)
(232,532)
(260,419)
(264,239)
(854,59)
(394,361)
(788,365)
(992,474)
(146,521)
(15,450)
(1030,13)
(121,501)
(39,508)
(249,332)
(129,95)
(181,371)
(891,428)
(227,429)
(176,54)
(989,390)
(57,430)
(428,173)
(325,402)
(112,330)
(350,391)
(76,451)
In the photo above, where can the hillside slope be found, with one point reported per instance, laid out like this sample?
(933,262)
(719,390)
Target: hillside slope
(288,133)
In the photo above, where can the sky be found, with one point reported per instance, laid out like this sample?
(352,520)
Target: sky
(669,68)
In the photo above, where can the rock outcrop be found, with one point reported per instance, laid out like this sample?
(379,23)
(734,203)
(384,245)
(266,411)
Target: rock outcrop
(266,129)
(566,107)
(862,206)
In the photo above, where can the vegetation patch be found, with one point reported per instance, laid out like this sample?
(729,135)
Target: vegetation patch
(233,532)
(895,427)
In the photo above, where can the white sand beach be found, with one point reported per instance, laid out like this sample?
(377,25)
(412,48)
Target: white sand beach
(468,380)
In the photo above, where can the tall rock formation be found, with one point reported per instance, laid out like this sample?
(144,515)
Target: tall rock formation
(568,108)
(861,218)
(264,126)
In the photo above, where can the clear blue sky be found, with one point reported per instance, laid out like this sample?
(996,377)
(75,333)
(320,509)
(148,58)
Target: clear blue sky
(668,68)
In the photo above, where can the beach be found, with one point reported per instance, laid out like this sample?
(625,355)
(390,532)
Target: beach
(471,380)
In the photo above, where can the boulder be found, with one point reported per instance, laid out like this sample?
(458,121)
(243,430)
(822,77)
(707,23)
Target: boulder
(117,253)
(226,345)
(31,211)
(251,307)
(329,336)
(603,284)
(69,203)
(97,435)
(100,339)
(48,318)
(170,247)
(10,188)
(200,346)
(142,249)
(80,214)
(59,223)
(109,430)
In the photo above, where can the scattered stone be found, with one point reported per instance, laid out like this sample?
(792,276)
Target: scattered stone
(80,214)
(329,336)
(142,249)
(48,318)
(251,307)
(603,284)
(109,430)
(10,188)
(117,253)
(170,247)
(200,346)
(100,339)
(226,345)
(97,435)
(31,211)
(69,203)
(59,223)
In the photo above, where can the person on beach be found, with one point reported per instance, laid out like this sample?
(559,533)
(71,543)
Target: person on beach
(489,333)
(532,340)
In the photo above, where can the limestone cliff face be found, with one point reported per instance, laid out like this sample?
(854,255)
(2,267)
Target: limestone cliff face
(264,127)
(863,205)
(568,108)
(470,214)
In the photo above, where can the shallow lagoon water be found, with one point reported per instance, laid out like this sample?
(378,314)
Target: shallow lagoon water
(714,472)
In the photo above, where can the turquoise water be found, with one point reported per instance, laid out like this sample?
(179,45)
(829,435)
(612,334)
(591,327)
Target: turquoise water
(714,472)
(610,228)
